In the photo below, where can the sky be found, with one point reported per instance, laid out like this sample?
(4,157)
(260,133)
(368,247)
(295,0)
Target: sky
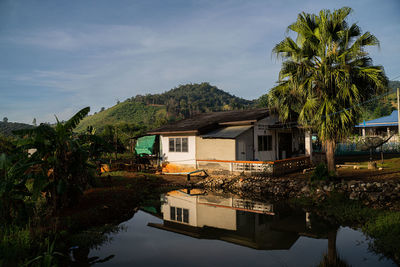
(57,57)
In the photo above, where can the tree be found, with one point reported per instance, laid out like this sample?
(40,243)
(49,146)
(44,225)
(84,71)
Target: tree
(5,119)
(34,122)
(325,75)
(263,101)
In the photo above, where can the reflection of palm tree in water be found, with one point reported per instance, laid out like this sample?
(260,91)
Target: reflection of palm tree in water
(332,258)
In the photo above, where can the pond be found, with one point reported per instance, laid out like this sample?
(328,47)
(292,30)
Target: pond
(197,228)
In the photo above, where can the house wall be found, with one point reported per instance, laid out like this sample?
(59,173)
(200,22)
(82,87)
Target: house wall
(218,217)
(215,149)
(260,128)
(178,158)
(180,200)
(245,146)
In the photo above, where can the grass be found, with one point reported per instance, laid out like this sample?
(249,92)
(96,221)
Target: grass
(392,163)
(14,241)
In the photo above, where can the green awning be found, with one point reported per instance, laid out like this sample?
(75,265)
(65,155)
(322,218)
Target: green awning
(145,145)
(150,209)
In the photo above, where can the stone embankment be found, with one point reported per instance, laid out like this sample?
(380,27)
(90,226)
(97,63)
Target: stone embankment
(373,193)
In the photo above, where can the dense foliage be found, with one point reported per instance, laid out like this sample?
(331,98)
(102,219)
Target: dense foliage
(6,128)
(62,170)
(382,106)
(187,100)
(42,171)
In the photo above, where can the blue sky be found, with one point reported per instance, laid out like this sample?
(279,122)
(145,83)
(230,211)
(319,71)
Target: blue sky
(60,56)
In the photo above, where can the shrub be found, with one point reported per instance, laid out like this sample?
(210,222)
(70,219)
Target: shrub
(321,173)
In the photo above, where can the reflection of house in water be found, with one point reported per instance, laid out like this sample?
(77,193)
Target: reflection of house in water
(244,222)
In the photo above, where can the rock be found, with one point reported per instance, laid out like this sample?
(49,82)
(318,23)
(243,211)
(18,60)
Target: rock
(353,196)
(305,189)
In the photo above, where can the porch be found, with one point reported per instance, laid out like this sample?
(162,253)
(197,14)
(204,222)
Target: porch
(275,168)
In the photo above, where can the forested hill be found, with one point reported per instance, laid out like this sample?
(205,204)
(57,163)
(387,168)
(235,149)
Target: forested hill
(187,100)
(6,128)
(153,110)
(382,106)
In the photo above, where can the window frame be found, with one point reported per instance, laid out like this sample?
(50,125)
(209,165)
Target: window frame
(265,144)
(179,214)
(178,144)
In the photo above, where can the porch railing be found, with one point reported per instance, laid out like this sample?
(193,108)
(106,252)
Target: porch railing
(277,167)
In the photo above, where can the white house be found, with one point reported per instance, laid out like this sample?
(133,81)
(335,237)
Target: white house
(228,140)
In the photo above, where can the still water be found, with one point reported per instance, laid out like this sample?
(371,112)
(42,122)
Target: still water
(195,228)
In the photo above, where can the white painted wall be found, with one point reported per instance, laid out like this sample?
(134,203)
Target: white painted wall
(260,129)
(244,146)
(180,200)
(181,158)
(200,213)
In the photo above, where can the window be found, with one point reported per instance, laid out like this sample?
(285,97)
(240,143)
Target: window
(265,143)
(178,144)
(172,213)
(179,214)
(184,145)
(185,216)
(171,144)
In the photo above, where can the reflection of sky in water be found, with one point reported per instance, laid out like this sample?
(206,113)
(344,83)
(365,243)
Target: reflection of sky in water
(141,245)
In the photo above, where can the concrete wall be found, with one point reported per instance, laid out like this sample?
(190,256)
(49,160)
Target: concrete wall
(178,158)
(218,217)
(215,149)
(215,167)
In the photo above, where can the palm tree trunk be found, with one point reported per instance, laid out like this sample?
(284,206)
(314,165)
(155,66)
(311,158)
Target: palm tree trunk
(332,253)
(330,154)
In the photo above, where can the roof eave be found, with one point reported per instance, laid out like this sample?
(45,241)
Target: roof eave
(247,122)
(174,132)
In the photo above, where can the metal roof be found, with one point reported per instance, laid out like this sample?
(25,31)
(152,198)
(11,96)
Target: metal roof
(391,120)
(205,122)
(230,132)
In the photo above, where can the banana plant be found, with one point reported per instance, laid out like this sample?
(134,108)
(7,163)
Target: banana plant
(64,159)
(13,176)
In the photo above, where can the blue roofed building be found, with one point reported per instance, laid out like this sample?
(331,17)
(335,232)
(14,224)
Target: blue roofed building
(383,126)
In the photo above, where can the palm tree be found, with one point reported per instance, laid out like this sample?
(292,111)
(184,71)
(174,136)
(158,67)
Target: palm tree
(326,73)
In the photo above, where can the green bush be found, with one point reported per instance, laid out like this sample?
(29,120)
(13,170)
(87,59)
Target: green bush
(15,243)
(321,173)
